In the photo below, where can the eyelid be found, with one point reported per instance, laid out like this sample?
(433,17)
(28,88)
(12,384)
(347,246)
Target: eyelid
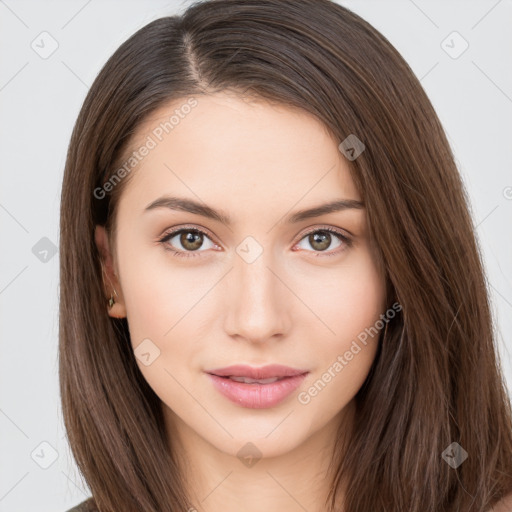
(345,239)
(344,234)
(175,230)
(187,227)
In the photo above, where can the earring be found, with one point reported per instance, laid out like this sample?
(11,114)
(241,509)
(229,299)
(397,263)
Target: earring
(111,301)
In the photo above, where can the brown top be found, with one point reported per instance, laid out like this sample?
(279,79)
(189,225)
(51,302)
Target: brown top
(86,506)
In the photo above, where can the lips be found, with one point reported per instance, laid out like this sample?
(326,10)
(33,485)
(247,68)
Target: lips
(273,371)
(257,388)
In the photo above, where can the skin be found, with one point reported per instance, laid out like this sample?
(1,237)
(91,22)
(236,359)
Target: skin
(293,305)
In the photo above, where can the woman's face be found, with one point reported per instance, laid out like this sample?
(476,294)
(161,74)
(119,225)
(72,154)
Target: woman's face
(268,288)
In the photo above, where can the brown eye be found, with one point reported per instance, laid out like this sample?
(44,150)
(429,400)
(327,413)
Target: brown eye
(191,240)
(320,240)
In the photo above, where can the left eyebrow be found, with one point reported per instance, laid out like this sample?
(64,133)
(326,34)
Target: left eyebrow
(333,206)
(192,206)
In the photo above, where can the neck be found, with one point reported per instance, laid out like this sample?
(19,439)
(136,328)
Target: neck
(293,481)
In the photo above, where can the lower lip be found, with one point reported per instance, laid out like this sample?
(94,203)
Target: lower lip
(257,396)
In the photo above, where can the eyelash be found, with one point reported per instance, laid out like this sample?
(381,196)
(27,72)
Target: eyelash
(191,254)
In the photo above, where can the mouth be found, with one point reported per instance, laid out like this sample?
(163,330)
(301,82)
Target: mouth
(257,388)
(248,380)
(255,374)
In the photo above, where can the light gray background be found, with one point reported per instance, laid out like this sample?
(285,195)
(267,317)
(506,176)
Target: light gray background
(39,101)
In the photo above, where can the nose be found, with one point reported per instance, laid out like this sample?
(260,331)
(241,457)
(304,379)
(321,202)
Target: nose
(257,302)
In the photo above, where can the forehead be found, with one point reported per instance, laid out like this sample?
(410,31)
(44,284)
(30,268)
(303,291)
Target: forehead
(237,150)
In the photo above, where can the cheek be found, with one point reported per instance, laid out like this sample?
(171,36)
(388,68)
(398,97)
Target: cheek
(169,312)
(158,293)
(350,303)
(329,390)
(162,304)
(348,298)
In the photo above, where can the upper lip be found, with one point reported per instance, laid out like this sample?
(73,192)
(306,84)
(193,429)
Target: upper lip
(263,372)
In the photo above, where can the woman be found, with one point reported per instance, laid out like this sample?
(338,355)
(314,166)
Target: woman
(271,292)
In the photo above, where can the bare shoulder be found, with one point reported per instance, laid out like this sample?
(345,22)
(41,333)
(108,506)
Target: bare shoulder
(505,505)
(86,506)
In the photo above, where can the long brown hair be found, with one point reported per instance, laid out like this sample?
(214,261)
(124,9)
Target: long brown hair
(435,380)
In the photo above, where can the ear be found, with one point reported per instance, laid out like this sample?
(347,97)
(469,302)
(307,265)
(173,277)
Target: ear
(111,283)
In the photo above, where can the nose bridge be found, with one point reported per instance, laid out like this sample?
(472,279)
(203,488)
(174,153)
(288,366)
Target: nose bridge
(257,309)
